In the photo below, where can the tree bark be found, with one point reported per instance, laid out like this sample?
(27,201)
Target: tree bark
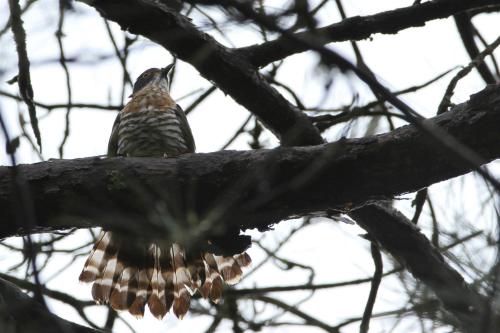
(248,189)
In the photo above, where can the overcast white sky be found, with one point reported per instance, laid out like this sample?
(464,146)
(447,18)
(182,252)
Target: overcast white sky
(411,57)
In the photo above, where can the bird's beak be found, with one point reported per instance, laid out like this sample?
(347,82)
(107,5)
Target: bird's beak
(166,70)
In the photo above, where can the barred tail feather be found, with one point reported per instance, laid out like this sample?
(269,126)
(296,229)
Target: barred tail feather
(156,302)
(141,295)
(123,291)
(182,281)
(216,290)
(243,259)
(95,260)
(164,280)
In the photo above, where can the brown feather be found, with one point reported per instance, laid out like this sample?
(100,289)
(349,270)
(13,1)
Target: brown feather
(156,301)
(95,259)
(141,295)
(216,289)
(119,299)
(229,269)
(168,276)
(181,302)
(165,281)
(243,259)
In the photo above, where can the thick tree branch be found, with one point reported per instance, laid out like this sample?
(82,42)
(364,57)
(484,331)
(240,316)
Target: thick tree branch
(361,27)
(231,72)
(248,189)
(329,57)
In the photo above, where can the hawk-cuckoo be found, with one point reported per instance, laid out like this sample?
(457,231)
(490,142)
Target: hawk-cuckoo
(129,276)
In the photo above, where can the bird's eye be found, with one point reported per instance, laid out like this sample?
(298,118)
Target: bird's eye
(145,75)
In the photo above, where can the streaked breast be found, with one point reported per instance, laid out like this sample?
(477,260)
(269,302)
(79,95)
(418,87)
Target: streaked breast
(151,133)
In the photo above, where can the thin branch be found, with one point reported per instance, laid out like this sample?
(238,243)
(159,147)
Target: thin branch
(62,61)
(121,58)
(24,79)
(51,107)
(308,320)
(200,99)
(8,24)
(377,278)
(237,133)
(413,250)
(419,202)
(273,289)
(446,101)
(467,30)
(24,212)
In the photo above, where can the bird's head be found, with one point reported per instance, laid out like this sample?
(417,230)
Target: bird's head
(153,76)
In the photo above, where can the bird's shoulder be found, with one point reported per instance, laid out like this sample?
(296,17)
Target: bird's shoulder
(150,98)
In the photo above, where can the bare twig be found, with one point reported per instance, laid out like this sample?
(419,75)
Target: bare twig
(467,33)
(51,107)
(122,59)
(237,133)
(446,101)
(419,202)
(377,278)
(62,61)
(24,80)
(200,99)
(308,320)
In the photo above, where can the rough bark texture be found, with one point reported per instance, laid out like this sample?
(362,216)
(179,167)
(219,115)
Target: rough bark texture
(250,189)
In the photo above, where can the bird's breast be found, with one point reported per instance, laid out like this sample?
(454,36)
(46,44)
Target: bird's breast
(151,132)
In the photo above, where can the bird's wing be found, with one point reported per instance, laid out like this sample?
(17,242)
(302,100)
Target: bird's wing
(186,130)
(113,139)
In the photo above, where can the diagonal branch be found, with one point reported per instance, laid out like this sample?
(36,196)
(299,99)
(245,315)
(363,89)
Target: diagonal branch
(362,27)
(231,72)
(454,147)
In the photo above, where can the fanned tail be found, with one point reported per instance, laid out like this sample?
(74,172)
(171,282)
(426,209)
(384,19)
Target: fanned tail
(162,278)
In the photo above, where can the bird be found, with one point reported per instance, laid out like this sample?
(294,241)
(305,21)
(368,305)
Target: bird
(128,275)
